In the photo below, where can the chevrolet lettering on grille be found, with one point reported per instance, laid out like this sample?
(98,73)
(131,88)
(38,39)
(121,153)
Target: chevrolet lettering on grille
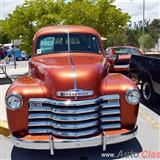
(75,92)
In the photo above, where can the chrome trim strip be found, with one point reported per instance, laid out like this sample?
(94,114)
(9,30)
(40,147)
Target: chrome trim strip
(109,112)
(75,92)
(74,72)
(56,125)
(63,118)
(75,143)
(110,105)
(110,126)
(121,66)
(63,133)
(110,119)
(74,103)
(69,49)
(74,76)
(65,111)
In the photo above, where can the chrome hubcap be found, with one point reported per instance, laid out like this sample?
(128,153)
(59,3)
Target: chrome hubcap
(146,89)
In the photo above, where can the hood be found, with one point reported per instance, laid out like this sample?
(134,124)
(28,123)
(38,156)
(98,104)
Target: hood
(64,72)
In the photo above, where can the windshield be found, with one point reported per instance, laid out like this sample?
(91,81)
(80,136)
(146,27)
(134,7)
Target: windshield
(126,51)
(73,42)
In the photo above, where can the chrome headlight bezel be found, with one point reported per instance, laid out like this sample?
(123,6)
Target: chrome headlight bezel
(16,97)
(131,94)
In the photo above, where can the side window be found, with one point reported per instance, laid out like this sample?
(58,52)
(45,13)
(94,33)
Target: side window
(134,51)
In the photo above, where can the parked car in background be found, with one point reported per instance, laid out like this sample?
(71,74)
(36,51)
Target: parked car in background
(18,54)
(146,70)
(120,56)
(1,53)
(70,100)
(25,55)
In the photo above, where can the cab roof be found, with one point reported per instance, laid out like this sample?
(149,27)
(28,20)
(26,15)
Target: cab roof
(66,29)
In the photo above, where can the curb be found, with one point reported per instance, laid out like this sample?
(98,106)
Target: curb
(4,128)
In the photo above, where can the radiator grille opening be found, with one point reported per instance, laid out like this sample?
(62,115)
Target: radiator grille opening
(74,119)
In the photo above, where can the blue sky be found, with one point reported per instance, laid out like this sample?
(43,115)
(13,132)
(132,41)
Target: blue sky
(133,7)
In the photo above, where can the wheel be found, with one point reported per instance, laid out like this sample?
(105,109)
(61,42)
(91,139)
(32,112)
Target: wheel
(147,93)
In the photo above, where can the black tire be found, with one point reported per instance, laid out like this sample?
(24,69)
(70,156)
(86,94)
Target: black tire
(148,95)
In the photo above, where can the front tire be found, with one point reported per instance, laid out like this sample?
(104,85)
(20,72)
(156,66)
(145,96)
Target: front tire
(148,95)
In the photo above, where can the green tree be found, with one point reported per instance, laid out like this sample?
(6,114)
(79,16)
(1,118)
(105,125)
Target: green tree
(31,16)
(132,37)
(110,20)
(118,40)
(150,27)
(3,35)
(154,29)
(34,14)
(146,42)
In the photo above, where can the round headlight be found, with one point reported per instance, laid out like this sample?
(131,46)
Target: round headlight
(133,96)
(14,101)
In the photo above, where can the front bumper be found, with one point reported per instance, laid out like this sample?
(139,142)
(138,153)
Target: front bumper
(121,67)
(50,144)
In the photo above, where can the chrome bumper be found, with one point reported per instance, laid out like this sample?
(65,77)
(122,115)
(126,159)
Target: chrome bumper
(121,66)
(75,143)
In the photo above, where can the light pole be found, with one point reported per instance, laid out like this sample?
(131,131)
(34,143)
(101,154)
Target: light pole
(143,23)
(14,55)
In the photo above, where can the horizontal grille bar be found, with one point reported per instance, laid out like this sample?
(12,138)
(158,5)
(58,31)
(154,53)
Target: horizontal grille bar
(64,110)
(110,119)
(110,112)
(110,104)
(63,118)
(64,133)
(73,103)
(65,126)
(110,126)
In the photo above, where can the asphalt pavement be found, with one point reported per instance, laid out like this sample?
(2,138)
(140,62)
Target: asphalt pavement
(145,146)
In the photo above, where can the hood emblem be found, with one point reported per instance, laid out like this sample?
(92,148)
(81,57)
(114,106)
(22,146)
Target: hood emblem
(75,93)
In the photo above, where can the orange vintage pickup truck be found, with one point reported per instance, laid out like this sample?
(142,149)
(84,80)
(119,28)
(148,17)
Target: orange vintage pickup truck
(69,99)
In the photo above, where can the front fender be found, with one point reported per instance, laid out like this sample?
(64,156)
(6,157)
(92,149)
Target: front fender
(116,83)
(27,87)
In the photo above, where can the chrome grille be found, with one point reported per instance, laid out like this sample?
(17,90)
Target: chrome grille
(74,118)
